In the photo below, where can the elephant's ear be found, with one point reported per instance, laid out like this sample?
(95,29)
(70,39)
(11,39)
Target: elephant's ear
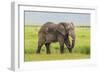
(60,29)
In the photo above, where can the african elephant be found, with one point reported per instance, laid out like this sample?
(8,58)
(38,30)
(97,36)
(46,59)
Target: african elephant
(51,32)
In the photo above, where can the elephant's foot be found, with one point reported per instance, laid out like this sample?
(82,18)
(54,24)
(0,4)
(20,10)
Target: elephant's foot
(70,50)
(48,52)
(38,51)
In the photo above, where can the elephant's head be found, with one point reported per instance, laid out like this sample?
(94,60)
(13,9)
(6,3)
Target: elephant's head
(68,31)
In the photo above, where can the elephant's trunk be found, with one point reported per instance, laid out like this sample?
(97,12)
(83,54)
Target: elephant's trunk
(69,44)
(72,45)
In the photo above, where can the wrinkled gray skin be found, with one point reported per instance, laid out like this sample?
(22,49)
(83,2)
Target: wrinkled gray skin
(51,32)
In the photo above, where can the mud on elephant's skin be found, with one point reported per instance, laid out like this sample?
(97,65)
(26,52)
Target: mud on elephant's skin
(51,32)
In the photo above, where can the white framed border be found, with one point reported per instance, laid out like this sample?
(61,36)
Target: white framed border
(17,34)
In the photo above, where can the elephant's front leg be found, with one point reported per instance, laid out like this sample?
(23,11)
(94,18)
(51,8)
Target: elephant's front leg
(61,49)
(47,48)
(61,43)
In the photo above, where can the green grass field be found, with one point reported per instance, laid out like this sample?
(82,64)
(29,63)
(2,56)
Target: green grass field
(80,51)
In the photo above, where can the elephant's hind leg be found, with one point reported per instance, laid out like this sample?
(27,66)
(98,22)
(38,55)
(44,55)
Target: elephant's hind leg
(40,44)
(47,48)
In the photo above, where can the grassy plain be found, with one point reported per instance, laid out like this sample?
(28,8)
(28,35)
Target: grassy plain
(80,51)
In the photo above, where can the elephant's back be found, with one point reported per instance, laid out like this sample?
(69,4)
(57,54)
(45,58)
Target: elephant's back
(47,27)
